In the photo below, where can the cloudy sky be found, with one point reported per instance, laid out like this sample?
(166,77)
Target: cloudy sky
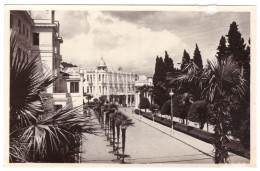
(133,39)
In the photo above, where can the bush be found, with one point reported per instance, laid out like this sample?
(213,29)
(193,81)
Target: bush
(154,107)
(198,113)
(144,103)
(181,105)
(166,108)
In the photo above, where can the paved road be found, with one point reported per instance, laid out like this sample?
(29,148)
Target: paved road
(150,142)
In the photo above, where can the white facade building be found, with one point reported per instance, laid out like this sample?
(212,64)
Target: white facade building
(117,86)
(39,35)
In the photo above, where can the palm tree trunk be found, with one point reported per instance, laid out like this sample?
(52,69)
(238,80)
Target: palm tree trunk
(114,129)
(123,144)
(118,137)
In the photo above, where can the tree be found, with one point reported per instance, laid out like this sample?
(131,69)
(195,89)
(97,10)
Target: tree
(224,84)
(159,76)
(221,84)
(144,103)
(34,138)
(88,97)
(198,113)
(180,105)
(236,45)
(125,123)
(169,67)
(103,99)
(185,60)
(222,49)
(197,57)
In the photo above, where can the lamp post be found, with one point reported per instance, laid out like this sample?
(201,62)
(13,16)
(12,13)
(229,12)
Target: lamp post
(171,94)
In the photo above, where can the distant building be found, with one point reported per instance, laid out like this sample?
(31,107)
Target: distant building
(139,83)
(118,85)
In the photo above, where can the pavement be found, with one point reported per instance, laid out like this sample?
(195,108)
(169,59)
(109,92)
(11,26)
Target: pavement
(96,148)
(150,142)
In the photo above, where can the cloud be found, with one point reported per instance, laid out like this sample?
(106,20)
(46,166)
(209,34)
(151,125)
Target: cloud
(134,39)
(73,23)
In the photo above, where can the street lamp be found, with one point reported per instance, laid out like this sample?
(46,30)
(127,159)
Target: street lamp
(171,94)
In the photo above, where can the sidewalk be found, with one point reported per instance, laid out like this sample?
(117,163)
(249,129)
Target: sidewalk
(96,148)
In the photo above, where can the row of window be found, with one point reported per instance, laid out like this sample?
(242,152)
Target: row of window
(103,78)
(23,30)
(91,89)
(21,26)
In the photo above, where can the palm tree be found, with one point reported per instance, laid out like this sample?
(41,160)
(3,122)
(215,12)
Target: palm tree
(88,97)
(34,138)
(221,83)
(125,123)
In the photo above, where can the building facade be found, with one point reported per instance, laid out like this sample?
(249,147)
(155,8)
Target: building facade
(39,36)
(139,83)
(117,86)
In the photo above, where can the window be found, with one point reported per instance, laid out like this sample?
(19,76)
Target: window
(87,77)
(11,21)
(57,107)
(99,77)
(35,38)
(23,29)
(27,33)
(87,89)
(19,26)
(74,87)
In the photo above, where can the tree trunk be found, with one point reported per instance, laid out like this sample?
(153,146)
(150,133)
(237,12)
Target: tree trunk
(118,137)
(123,144)
(114,129)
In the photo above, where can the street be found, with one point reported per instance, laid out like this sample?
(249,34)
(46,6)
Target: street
(150,142)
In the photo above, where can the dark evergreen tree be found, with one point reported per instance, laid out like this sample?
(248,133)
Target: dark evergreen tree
(222,49)
(156,76)
(236,45)
(159,77)
(197,57)
(185,59)
(168,62)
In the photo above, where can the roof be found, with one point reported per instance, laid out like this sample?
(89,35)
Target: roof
(101,63)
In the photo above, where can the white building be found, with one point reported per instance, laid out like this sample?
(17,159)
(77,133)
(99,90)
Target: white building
(140,82)
(117,86)
(39,35)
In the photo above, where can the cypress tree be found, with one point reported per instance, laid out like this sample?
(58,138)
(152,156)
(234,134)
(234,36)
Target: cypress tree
(222,49)
(168,62)
(236,45)
(156,73)
(159,76)
(197,57)
(185,59)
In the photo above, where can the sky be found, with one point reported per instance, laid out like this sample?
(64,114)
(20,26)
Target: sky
(133,39)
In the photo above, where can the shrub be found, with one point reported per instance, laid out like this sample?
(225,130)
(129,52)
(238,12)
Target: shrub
(198,112)
(144,103)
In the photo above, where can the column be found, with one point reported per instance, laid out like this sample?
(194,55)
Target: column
(126,99)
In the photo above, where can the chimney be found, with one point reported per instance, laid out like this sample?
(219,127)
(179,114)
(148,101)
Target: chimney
(52,16)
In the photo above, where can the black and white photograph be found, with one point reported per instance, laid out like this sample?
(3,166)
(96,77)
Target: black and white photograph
(125,85)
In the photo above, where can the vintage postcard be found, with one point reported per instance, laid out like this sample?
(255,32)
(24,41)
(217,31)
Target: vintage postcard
(118,85)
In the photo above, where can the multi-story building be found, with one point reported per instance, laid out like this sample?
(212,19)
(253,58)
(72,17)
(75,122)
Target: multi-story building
(39,35)
(117,86)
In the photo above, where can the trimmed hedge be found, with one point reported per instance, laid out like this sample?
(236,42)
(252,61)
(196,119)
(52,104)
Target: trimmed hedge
(234,146)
